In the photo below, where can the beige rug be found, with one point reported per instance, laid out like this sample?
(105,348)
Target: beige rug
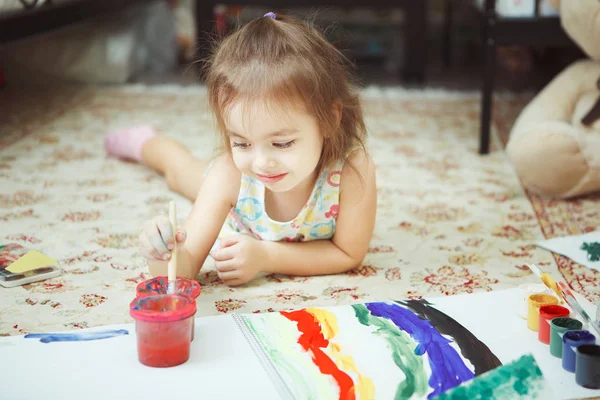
(449,221)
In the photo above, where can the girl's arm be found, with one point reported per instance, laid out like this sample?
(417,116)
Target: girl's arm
(215,198)
(354,228)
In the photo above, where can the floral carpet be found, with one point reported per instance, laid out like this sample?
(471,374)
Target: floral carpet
(449,221)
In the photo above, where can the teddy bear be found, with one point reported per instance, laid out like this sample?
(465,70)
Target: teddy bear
(554,144)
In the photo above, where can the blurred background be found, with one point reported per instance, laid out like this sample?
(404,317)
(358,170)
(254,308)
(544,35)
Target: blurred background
(413,43)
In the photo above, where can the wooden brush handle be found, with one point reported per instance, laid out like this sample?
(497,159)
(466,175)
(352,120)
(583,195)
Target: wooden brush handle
(172,266)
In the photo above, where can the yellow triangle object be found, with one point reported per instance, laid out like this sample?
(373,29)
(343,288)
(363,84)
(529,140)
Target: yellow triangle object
(550,284)
(29,261)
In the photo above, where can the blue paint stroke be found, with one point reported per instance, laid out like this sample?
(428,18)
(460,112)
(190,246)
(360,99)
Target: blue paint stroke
(447,367)
(77,336)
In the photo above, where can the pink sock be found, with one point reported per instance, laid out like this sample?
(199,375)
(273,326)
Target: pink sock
(127,143)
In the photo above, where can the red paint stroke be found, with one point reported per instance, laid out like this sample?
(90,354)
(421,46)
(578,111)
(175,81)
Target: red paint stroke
(312,339)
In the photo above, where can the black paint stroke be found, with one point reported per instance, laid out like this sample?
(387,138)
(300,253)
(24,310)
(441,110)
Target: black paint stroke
(471,348)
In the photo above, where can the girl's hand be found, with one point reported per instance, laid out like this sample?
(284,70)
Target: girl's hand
(156,239)
(239,258)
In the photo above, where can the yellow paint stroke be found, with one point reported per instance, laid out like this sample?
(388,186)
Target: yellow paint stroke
(549,282)
(329,328)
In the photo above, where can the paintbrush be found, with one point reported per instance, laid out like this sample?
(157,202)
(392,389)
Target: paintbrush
(172,266)
(574,304)
(546,279)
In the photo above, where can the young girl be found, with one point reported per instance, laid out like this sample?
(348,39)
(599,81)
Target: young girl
(295,191)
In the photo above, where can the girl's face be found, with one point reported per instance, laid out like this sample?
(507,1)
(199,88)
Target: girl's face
(279,146)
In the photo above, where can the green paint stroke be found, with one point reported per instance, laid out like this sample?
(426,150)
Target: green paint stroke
(287,368)
(403,353)
(517,380)
(592,249)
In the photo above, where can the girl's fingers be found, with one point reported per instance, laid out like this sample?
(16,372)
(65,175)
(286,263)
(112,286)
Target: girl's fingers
(181,236)
(155,240)
(230,240)
(228,275)
(165,230)
(223,254)
(224,266)
(146,248)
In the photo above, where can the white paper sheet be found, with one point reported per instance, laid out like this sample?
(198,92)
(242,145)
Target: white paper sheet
(570,246)
(222,365)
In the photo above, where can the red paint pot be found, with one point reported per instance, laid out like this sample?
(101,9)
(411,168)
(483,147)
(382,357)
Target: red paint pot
(547,314)
(163,326)
(159,285)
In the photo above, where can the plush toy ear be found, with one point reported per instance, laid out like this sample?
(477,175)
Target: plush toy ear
(594,113)
(579,18)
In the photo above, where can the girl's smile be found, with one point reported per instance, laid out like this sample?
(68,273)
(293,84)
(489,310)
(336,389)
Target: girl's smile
(271,178)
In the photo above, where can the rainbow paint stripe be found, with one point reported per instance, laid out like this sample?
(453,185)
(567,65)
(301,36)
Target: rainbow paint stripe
(318,327)
(412,344)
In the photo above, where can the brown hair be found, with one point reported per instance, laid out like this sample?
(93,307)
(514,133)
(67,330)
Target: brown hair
(286,60)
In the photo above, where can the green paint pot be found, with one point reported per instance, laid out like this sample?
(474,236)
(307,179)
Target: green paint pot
(558,326)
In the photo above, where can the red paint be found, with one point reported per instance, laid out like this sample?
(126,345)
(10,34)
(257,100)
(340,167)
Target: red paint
(163,328)
(160,284)
(162,308)
(312,339)
(164,345)
(547,313)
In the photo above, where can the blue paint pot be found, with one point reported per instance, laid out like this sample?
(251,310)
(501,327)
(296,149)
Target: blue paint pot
(572,340)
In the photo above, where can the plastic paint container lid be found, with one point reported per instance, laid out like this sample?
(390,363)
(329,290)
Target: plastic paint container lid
(162,308)
(540,299)
(160,284)
(550,311)
(573,338)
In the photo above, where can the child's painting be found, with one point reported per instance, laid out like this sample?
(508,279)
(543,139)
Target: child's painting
(381,350)
(584,249)
(520,379)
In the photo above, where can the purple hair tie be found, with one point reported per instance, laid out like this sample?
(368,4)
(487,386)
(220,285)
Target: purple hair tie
(270,15)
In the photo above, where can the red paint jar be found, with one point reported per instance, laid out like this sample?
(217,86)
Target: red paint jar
(547,314)
(163,326)
(159,285)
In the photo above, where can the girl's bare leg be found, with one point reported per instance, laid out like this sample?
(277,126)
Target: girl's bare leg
(183,172)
